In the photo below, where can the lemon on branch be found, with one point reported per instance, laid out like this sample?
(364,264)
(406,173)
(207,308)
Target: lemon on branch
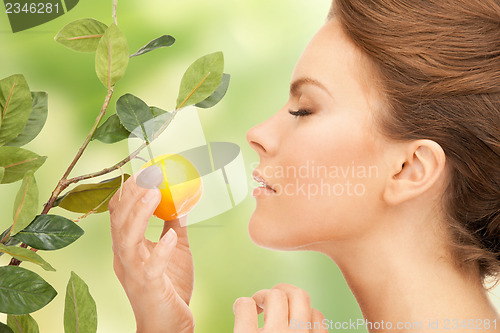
(181,187)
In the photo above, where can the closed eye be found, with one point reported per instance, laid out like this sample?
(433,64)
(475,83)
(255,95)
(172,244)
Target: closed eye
(300,113)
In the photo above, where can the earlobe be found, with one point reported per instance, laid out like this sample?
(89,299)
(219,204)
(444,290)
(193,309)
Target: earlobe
(422,163)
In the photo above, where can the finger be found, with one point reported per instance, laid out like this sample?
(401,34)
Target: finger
(120,212)
(245,315)
(149,178)
(317,317)
(149,245)
(118,267)
(119,197)
(158,261)
(275,305)
(299,302)
(132,233)
(120,206)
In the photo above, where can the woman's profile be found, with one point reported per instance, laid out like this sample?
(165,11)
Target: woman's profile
(407,94)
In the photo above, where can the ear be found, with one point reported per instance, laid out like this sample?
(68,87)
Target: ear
(418,166)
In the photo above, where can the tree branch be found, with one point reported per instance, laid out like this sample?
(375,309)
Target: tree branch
(115,17)
(63,183)
(125,160)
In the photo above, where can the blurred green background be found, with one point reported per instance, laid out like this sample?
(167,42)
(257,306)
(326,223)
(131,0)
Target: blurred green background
(261,41)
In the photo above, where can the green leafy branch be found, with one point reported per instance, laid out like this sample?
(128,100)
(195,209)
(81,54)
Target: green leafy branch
(23,114)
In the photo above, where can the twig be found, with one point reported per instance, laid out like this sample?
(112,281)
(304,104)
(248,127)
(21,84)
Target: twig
(121,187)
(115,18)
(125,160)
(109,169)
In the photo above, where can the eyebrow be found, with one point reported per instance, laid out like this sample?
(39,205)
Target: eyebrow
(297,84)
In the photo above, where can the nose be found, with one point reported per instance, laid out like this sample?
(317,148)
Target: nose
(263,138)
(253,139)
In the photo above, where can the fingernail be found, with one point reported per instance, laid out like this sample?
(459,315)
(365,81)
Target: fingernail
(234,304)
(150,196)
(151,177)
(169,236)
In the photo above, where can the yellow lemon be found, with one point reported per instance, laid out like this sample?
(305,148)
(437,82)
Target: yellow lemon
(181,187)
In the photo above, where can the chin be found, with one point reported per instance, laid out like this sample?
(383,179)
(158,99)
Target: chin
(265,233)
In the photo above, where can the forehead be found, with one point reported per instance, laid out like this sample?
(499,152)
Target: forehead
(332,59)
(328,50)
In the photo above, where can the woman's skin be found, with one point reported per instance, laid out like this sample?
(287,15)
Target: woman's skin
(383,227)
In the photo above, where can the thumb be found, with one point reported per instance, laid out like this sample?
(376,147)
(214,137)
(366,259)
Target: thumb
(245,315)
(179,226)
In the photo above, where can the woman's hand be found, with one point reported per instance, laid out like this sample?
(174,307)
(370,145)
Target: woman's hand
(286,309)
(157,277)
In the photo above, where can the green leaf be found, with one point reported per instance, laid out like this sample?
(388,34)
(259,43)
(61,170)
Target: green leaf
(163,41)
(201,79)
(22,324)
(17,161)
(23,254)
(36,121)
(50,232)
(15,107)
(26,203)
(89,197)
(7,240)
(2,173)
(10,242)
(160,117)
(111,131)
(218,94)
(80,312)
(23,291)
(59,199)
(156,112)
(111,57)
(5,329)
(133,114)
(81,35)
(5,236)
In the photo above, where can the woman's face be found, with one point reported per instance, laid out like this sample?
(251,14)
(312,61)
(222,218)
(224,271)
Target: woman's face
(321,153)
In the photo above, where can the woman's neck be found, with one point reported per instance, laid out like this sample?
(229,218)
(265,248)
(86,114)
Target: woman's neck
(398,278)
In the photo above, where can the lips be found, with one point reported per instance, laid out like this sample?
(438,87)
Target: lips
(263,183)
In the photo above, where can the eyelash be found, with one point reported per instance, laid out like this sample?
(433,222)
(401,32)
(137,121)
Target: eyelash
(300,113)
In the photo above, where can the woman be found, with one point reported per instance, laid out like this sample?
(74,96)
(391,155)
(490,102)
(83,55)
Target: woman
(404,98)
